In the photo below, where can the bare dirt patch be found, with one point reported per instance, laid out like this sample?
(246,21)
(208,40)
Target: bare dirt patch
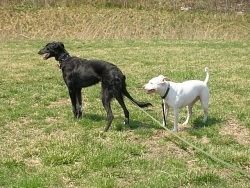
(59,103)
(32,162)
(158,147)
(240,133)
(53,120)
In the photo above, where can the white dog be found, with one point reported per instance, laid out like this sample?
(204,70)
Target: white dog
(178,95)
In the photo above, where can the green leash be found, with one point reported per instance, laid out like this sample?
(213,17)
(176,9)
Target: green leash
(247,174)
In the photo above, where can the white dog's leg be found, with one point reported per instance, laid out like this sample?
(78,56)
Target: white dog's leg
(204,104)
(189,113)
(176,118)
(166,109)
(189,110)
(205,115)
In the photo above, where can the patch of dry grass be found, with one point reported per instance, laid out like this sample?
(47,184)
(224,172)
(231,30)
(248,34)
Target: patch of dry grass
(89,22)
(240,133)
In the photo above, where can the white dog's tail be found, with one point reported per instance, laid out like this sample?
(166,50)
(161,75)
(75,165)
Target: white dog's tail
(207,76)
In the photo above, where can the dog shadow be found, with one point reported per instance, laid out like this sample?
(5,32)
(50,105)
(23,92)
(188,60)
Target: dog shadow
(118,122)
(93,117)
(197,123)
(133,125)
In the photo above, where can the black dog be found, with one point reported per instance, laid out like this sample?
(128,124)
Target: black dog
(79,73)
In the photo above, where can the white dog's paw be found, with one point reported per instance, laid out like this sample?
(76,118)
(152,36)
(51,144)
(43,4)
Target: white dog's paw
(186,122)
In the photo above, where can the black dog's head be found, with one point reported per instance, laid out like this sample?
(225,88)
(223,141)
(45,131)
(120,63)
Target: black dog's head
(53,49)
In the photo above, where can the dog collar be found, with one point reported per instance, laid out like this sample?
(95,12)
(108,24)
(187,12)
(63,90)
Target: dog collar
(164,96)
(64,57)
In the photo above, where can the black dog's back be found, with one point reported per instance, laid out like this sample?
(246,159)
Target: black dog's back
(79,71)
(89,72)
(114,79)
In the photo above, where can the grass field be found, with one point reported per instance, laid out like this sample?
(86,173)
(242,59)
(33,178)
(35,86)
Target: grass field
(42,146)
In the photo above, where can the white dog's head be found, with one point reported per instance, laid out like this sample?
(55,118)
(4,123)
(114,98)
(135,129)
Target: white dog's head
(155,84)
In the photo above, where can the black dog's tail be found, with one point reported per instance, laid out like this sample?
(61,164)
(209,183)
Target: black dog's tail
(126,93)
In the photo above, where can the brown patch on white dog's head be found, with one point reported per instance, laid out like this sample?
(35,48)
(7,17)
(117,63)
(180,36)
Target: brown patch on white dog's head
(163,78)
(166,79)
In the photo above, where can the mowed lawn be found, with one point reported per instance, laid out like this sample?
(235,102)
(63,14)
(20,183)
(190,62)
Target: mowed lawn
(42,146)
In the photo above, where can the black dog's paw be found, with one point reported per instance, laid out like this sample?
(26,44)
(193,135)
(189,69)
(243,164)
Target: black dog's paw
(126,121)
(77,116)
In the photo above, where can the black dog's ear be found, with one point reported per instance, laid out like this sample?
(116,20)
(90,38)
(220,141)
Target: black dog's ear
(61,44)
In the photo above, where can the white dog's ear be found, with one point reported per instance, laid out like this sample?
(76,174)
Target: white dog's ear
(166,79)
(163,78)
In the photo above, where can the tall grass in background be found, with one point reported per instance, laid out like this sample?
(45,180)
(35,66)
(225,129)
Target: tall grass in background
(71,19)
(209,5)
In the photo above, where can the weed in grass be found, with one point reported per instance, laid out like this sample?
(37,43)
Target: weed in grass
(31,182)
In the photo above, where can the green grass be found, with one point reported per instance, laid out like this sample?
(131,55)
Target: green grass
(42,146)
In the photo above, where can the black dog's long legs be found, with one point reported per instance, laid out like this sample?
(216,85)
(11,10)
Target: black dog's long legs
(119,98)
(72,95)
(106,99)
(79,103)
